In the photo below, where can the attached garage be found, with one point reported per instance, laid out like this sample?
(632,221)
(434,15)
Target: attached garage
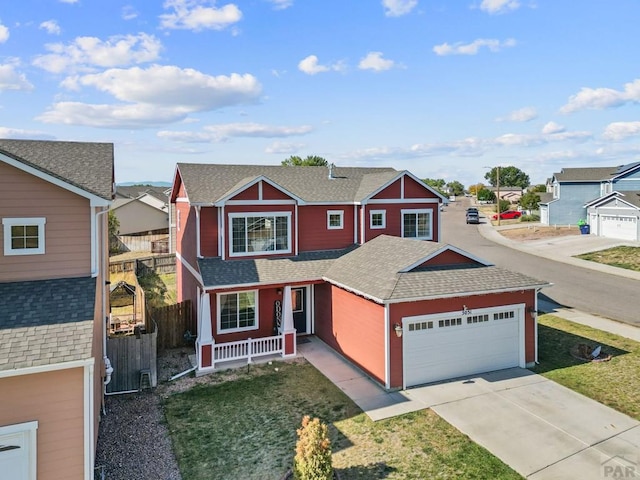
(622,227)
(456,344)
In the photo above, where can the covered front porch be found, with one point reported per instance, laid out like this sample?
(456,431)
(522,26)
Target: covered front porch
(212,355)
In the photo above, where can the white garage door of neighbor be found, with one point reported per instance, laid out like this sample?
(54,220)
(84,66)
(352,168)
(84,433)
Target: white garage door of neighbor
(14,457)
(624,228)
(443,346)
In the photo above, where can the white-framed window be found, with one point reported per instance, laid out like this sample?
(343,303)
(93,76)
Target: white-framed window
(259,233)
(18,456)
(237,311)
(335,219)
(23,236)
(417,224)
(377,219)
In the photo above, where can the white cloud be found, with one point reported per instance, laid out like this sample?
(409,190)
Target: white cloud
(374,61)
(153,96)
(525,114)
(51,26)
(621,130)
(194,15)
(310,66)
(19,133)
(10,79)
(281,4)
(601,98)
(129,12)
(473,47)
(4,33)
(552,127)
(87,52)
(283,148)
(221,133)
(499,6)
(397,8)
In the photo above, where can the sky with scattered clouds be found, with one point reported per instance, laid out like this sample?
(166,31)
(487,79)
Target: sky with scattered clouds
(442,88)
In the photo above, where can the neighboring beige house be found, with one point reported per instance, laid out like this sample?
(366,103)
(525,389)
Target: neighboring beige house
(54,199)
(511,194)
(143,216)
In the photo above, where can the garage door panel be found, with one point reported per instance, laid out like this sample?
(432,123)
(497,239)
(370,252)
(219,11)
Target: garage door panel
(442,352)
(624,228)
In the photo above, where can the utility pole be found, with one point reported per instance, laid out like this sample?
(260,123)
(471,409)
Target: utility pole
(498,192)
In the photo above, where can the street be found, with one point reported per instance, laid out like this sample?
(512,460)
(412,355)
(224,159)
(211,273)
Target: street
(587,290)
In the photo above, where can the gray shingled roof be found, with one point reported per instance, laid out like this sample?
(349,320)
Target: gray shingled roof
(545,197)
(591,174)
(135,191)
(46,322)
(209,183)
(306,266)
(373,269)
(631,196)
(88,166)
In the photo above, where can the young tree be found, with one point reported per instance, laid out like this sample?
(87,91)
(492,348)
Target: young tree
(474,189)
(436,183)
(309,161)
(509,177)
(313,451)
(486,195)
(530,201)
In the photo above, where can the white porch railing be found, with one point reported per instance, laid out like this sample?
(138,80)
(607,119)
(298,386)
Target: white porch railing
(247,349)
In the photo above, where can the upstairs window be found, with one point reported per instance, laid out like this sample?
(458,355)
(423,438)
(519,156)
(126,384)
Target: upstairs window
(377,219)
(335,219)
(264,233)
(417,224)
(23,236)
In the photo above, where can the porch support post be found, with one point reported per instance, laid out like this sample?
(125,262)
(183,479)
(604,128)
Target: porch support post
(288,331)
(204,343)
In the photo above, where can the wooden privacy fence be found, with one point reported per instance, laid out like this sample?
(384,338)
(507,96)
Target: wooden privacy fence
(130,355)
(173,322)
(157,263)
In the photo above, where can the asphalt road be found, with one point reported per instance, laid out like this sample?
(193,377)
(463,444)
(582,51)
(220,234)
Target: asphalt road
(587,290)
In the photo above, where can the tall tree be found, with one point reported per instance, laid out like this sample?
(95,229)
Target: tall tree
(485,195)
(509,177)
(455,188)
(309,161)
(474,189)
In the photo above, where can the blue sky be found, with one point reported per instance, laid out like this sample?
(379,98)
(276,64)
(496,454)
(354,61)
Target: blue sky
(440,88)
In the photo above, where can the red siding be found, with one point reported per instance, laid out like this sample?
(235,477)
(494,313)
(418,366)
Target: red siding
(313,231)
(392,191)
(394,218)
(250,193)
(413,189)
(448,257)
(428,307)
(356,328)
(209,231)
(271,193)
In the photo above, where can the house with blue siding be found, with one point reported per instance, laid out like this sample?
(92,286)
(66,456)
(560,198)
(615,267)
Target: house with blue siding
(604,197)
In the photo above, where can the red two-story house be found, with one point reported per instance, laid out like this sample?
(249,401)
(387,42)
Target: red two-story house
(351,255)
(54,199)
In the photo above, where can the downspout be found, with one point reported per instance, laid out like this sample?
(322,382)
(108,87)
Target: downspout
(535,327)
(107,363)
(198,255)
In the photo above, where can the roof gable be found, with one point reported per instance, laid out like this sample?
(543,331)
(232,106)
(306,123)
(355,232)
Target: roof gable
(81,167)
(253,189)
(630,198)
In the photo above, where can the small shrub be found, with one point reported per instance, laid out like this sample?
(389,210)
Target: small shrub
(530,218)
(313,451)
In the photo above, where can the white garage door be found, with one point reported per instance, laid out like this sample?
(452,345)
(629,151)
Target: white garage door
(624,228)
(443,346)
(17,451)
(544,215)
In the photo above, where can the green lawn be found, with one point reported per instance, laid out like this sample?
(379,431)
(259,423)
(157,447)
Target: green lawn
(615,383)
(623,257)
(245,429)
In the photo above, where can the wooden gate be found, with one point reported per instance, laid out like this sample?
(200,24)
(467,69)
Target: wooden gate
(130,355)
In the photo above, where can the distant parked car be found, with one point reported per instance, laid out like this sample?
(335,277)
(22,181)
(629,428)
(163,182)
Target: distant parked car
(473,217)
(473,210)
(508,215)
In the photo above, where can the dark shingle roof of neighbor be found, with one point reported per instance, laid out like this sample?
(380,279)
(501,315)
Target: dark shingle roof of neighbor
(45,322)
(135,191)
(88,166)
(545,197)
(591,174)
(373,269)
(209,183)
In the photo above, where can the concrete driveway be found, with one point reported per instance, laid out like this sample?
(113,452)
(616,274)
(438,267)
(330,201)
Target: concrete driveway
(541,429)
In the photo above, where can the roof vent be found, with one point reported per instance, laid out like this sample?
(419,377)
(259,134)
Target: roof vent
(331,167)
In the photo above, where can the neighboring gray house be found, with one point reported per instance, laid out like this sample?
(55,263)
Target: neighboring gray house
(605,197)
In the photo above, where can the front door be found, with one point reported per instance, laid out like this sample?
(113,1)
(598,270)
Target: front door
(299,306)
